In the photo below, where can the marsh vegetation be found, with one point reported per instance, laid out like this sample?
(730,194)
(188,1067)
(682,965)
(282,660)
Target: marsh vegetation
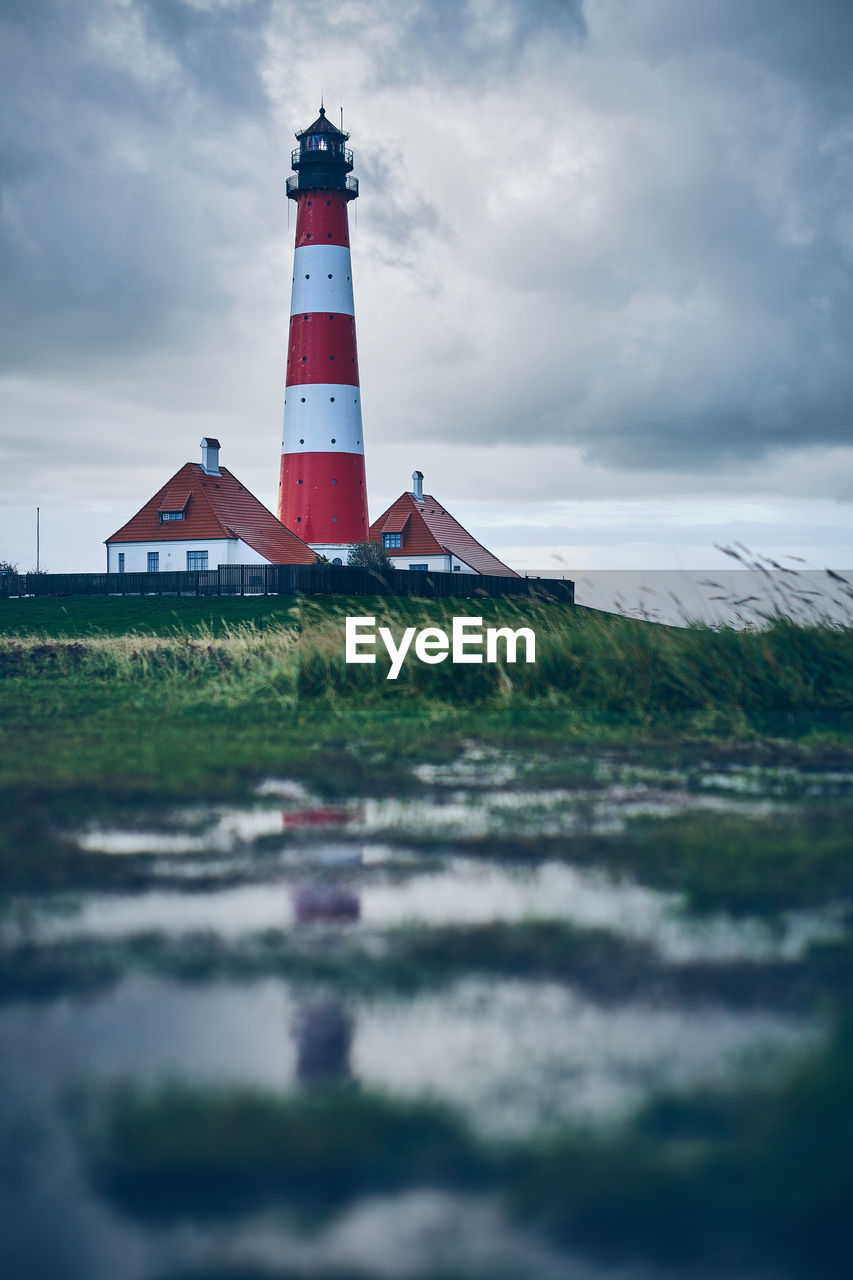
(500,971)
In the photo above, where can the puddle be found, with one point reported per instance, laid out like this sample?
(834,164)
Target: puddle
(476,767)
(470,891)
(467,815)
(394,1237)
(785,782)
(482,768)
(515,1056)
(456,815)
(520,1056)
(478,795)
(369,895)
(222,832)
(402,1237)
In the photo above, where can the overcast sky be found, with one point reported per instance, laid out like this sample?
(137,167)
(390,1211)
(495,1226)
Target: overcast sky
(602,260)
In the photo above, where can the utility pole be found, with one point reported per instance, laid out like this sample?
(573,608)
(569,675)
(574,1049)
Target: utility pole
(38,539)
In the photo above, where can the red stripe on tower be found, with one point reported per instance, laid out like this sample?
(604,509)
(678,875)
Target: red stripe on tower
(322,491)
(322,349)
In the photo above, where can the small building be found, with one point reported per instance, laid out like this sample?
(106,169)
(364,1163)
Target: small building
(203,517)
(420,534)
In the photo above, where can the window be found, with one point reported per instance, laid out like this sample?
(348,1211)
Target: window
(337,560)
(171,515)
(457,568)
(318,142)
(424,567)
(196,559)
(121,562)
(392,539)
(153,561)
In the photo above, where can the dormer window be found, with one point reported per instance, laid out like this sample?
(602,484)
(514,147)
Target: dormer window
(392,539)
(176,501)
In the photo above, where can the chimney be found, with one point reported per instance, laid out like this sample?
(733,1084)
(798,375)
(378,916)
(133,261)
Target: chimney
(210,456)
(418,485)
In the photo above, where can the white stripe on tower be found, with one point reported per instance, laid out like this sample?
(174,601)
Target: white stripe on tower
(322,280)
(322,417)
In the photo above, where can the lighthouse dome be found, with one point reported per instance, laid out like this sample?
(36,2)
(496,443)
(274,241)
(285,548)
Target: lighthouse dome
(323,128)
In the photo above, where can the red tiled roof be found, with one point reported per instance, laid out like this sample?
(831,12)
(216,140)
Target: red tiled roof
(216,507)
(174,500)
(428,529)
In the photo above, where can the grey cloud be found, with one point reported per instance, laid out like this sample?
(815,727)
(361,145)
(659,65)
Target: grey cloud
(218,49)
(108,168)
(806,43)
(84,278)
(400,215)
(469,42)
(631,532)
(453,40)
(702,318)
(666,284)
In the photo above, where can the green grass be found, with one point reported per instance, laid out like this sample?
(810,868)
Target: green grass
(732,862)
(595,673)
(76,617)
(186,1148)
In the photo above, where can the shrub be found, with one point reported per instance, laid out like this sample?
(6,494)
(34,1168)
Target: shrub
(369,555)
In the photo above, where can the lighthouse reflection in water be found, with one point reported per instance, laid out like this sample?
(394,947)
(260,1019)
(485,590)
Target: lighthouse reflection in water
(321,1027)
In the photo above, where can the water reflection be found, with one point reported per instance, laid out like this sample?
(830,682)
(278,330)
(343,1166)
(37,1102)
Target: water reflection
(322,1030)
(319,816)
(321,1027)
(399,888)
(288,952)
(473,799)
(317,901)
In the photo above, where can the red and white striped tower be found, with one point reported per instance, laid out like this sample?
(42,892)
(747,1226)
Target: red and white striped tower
(322,491)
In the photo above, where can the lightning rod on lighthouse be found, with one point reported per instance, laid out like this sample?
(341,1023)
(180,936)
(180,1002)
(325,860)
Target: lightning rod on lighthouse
(322,490)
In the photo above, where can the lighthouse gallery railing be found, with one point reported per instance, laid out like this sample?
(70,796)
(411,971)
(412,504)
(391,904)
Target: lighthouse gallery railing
(309,182)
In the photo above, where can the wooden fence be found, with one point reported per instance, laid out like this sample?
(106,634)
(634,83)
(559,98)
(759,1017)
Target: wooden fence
(288,580)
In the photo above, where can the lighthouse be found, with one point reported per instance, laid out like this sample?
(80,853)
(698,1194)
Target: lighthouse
(322,490)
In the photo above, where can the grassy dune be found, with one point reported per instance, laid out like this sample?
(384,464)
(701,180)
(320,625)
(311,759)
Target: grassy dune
(594,672)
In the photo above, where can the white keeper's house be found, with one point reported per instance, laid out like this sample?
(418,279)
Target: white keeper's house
(420,534)
(203,517)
